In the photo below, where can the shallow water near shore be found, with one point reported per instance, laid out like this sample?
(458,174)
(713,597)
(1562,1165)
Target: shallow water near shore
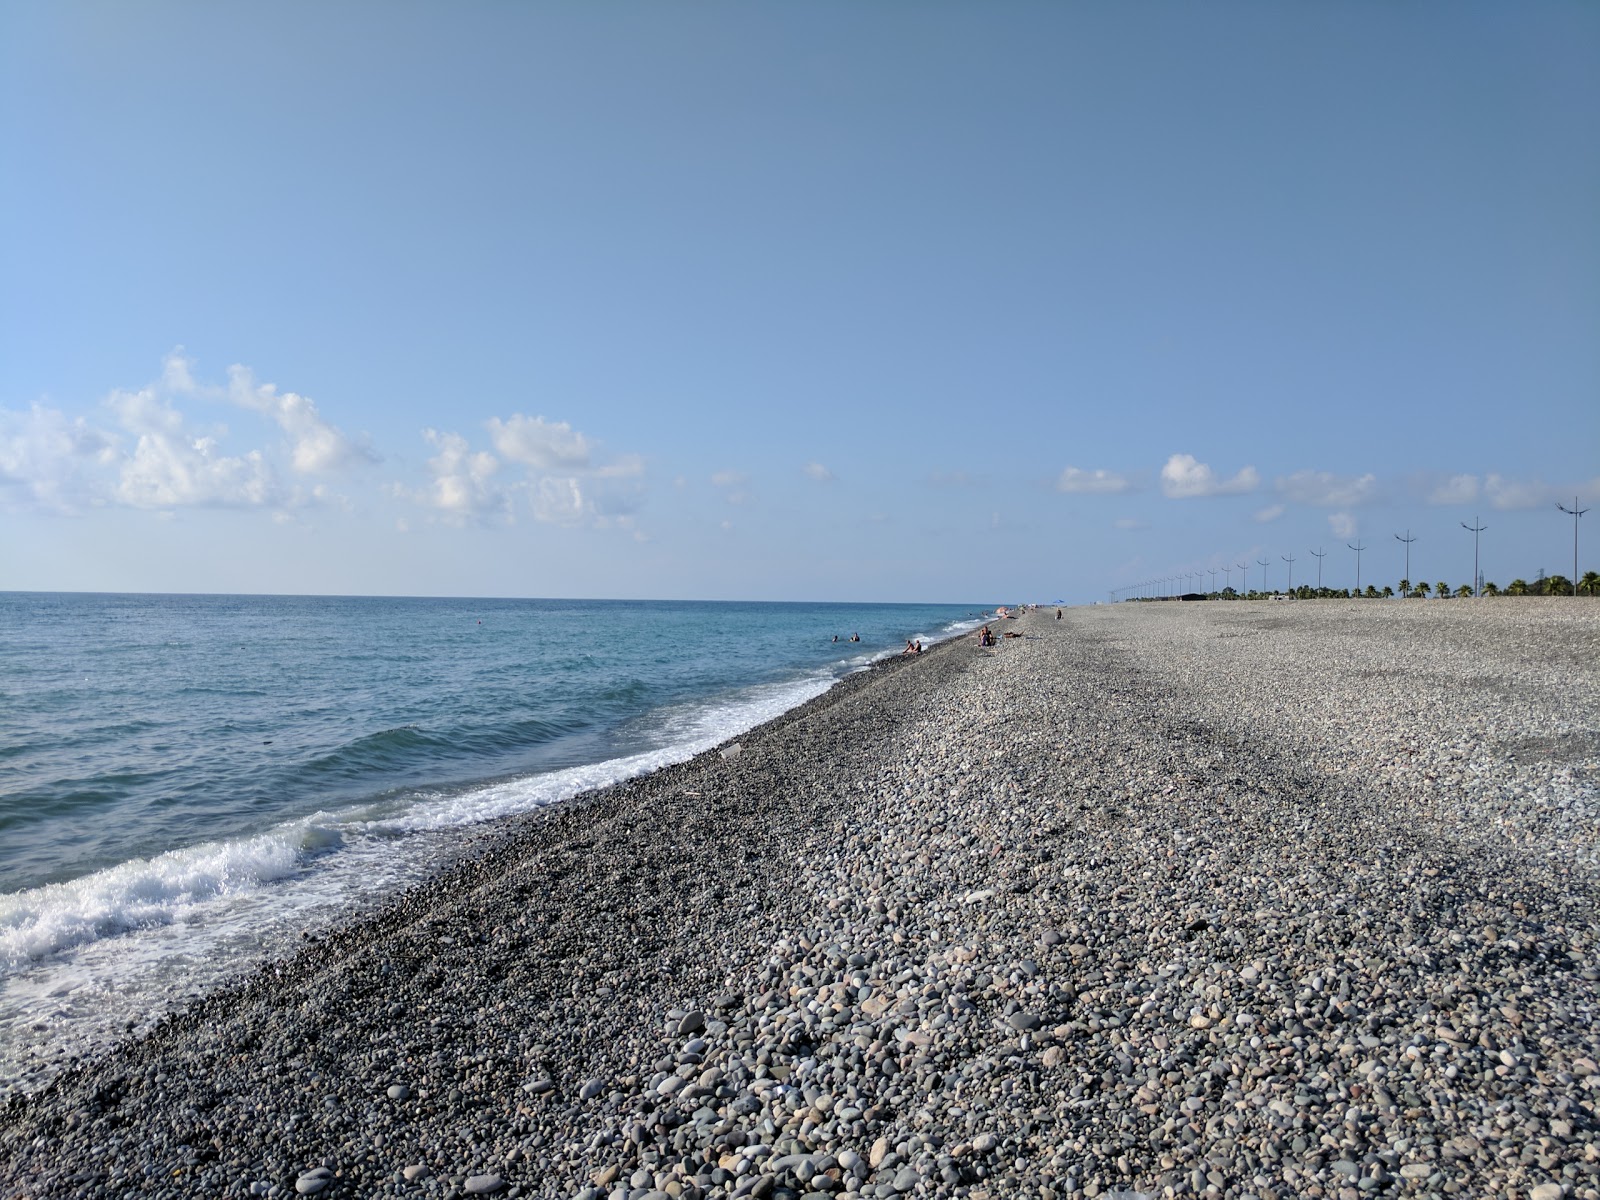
(189,782)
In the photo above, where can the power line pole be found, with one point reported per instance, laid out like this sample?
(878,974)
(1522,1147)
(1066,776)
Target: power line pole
(1262,563)
(1244,579)
(1476,530)
(1408,539)
(1289,558)
(1576,513)
(1358,550)
(1320,555)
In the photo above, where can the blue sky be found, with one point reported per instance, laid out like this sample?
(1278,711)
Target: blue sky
(888,301)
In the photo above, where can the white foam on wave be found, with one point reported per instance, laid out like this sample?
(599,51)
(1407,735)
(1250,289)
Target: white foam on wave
(682,733)
(37,922)
(84,960)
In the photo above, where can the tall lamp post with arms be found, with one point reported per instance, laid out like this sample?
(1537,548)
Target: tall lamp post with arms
(1408,539)
(1576,513)
(1476,530)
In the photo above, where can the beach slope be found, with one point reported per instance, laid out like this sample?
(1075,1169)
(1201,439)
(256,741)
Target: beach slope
(1180,899)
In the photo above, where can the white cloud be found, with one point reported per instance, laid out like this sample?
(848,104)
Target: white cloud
(145,411)
(1184,478)
(1509,494)
(562,483)
(817,471)
(53,461)
(1323,489)
(1097,482)
(48,459)
(316,447)
(1506,493)
(1271,513)
(168,470)
(171,467)
(629,466)
(1458,489)
(561,502)
(463,484)
(1342,524)
(546,445)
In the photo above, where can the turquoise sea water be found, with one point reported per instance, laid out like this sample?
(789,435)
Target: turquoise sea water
(187,782)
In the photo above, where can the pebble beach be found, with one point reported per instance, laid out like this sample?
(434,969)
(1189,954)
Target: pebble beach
(1212,899)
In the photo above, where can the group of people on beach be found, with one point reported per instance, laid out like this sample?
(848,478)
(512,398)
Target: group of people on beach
(912,647)
(854,637)
(985,636)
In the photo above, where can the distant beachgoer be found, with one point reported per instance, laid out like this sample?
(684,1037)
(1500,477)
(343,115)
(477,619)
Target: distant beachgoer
(911,647)
(1058,614)
(919,647)
(836,637)
(855,637)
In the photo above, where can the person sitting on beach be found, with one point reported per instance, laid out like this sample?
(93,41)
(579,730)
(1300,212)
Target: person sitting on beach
(910,648)
(919,647)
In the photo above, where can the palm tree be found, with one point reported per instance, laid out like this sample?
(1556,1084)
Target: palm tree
(1443,589)
(1590,583)
(1464,591)
(1388,592)
(1422,589)
(1489,589)
(1405,586)
(1557,585)
(1372,591)
(1517,587)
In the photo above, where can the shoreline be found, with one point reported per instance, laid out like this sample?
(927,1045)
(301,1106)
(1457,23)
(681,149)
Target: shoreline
(126,942)
(979,923)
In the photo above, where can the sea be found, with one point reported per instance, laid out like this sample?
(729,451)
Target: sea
(189,784)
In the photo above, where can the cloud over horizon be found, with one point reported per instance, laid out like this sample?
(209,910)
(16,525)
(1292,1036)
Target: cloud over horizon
(1183,477)
(1076,481)
(1323,489)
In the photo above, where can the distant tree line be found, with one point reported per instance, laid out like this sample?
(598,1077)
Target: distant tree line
(1545,585)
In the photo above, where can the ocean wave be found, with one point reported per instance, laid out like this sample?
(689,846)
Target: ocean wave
(141,893)
(407,746)
(190,883)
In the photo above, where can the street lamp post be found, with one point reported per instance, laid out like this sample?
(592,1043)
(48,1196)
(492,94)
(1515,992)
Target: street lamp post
(1576,513)
(1476,530)
(1408,539)
(1358,550)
